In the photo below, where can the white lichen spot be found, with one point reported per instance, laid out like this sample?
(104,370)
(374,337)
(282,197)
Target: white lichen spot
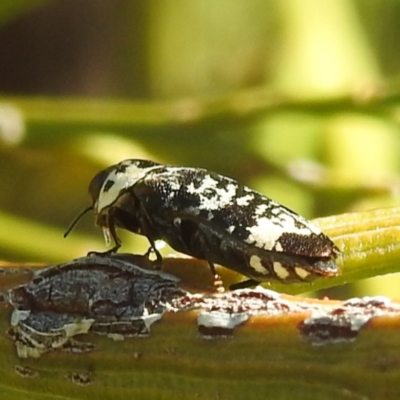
(301,272)
(280,271)
(79,378)
(19,315)
(255,263)
(177,221)
(117,337)
(221,319)
(25,371)
(78,328)
(150,319)
(24,351)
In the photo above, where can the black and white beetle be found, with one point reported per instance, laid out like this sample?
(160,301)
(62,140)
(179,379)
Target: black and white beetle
(211,217)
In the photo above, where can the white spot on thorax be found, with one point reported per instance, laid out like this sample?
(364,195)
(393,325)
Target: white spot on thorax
(280,270)
(122,180)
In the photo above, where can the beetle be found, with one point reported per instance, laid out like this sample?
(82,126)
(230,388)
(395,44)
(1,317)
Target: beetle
(211,217)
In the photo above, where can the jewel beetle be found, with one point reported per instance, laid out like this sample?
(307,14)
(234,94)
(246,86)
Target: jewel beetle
(210,217)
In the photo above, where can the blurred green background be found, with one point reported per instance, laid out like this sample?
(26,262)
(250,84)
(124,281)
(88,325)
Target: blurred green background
(298,99)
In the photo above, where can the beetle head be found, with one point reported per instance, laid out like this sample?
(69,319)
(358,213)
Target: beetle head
(107,187)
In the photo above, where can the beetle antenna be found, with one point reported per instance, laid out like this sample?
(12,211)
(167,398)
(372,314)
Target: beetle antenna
(76,220)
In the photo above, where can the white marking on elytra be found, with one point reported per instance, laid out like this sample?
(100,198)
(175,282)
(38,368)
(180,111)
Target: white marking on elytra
(122,180)
(255,263)
(280,270)
(207,184)
(275,211)
(174,184)
(171,195)
(268,230)
(213,197)
(260,210)
(245,200)
(301,272)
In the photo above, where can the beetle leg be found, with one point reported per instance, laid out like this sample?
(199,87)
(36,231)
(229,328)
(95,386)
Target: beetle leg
(113,233)
(153,249)
(218,283)
(110,226)
(244,284)
(145,225)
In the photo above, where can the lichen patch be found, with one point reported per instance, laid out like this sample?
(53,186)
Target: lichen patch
(80,378)
(25,371)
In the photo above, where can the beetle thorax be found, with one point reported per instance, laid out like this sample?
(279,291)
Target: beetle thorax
(119,180)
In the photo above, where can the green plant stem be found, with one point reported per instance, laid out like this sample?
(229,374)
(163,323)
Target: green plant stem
(123,116)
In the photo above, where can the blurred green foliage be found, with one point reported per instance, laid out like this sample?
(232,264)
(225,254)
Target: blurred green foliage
(299,100)
(10,9)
